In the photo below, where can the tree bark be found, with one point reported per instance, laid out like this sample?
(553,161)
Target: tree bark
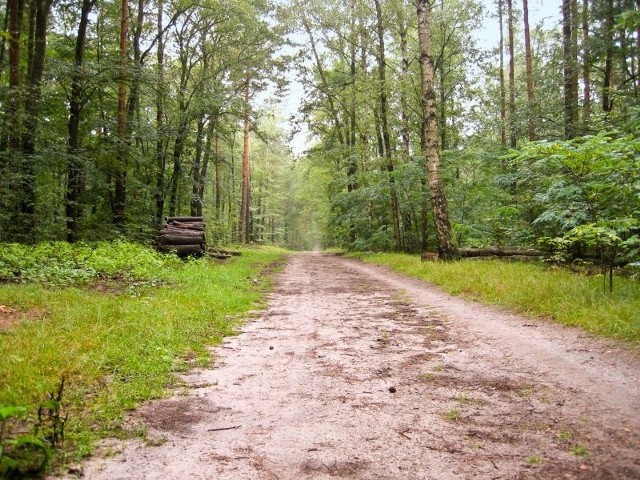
(160,135)
(205,163)
(446,248)
(75,171)
(586,66)
(404,107)
(503,90)
(570,110)
(133,101)
(178,149)
(607,102)
(218,173)
(575,75)
(197,180)
(120,197)
(244,227)
(3,40)
(529,67)
(12,135)
(513,140)
(386,137)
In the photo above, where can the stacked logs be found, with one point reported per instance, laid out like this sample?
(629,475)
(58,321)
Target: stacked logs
(183,235)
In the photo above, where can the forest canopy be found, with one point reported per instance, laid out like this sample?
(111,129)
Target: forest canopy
(117,114)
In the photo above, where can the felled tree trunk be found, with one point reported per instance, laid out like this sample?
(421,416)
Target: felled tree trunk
(499,252)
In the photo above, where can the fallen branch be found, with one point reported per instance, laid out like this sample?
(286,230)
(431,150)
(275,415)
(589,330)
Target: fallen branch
(223,428)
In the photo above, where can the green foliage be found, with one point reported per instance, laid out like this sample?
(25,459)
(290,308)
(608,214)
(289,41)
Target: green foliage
(580,450)
(21,454)
(608,241)
(61,263)
(586,180)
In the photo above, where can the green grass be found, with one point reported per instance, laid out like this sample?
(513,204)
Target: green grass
(118,347)
(532,289)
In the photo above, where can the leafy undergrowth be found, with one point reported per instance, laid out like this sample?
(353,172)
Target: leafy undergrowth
(115,349)
(532,289)
(62,263)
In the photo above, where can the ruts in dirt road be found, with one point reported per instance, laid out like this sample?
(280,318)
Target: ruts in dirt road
(354,372)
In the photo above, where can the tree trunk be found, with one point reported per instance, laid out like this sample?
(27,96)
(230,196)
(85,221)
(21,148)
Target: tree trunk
(386,137)
(570,110)
(637,72)
(244,227)
(446,248)
(3,40)
(11,138)
(424,213)
(10,142)
(178,148)
(529,67)
(218,172)
(575,23)
(607,102)
(443,109)
(586,66)
(512,78)
(197,180)
(503,90)
(404,107)
(160,135)
(75,171)
(133,102)
(32,106)
(205,163)
(120,197)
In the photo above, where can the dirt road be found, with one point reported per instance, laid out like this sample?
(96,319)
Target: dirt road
(354,372)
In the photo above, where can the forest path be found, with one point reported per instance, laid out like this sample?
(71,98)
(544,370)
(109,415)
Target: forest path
(355,372)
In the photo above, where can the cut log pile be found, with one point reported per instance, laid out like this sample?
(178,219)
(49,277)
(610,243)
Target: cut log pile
(183,235)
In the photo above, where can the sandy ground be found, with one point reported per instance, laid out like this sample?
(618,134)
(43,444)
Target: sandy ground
(355,372)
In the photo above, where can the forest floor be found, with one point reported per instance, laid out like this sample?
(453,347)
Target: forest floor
(355,372)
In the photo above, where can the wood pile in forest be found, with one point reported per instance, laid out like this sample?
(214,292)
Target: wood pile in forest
(183,235)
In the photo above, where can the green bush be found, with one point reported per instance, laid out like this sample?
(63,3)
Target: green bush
(61,263)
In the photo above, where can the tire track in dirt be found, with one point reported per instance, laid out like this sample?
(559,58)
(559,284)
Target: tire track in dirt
(306,391)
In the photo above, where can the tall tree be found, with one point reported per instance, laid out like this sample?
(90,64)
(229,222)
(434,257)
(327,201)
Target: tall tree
(244,224)
(120,197)
(384,118)
(503,90)
(161,158)
(403,31)
(529,67)
(607,83)
(446,248)
(513,139)
(568,48)
(586,66)
(75,171)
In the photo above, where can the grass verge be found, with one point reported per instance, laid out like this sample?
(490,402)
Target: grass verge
(117,343)
(532,289)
